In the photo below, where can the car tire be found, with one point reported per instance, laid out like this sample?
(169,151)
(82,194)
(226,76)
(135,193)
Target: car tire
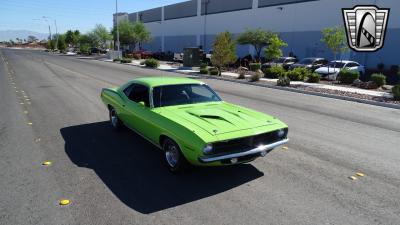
(173,157)
(115,122)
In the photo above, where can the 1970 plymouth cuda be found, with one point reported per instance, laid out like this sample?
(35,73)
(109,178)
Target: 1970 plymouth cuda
(190,122)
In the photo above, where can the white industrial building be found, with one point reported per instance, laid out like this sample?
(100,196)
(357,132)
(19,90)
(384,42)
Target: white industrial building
(298,22)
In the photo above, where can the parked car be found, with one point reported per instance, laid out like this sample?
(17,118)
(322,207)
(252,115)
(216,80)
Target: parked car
(95,50)
(191,123)
(285,62)
(310,63)
(332,69)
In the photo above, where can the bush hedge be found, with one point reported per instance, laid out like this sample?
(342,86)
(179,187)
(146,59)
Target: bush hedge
(379,79)
(396,92)
(152,63)
(203,71)
(214,71)
(256,77)
(274,72)
(242,74)
(298,74)
(255,66)
(314,78)
(203,66)
(348,77)
(283,81)
(126,60)
(117,60)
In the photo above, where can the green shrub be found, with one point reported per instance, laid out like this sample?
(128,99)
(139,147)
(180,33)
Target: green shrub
(313,78)
(214,71)
(256,77)
(84,48)
(203,66)
(126,60)
(348,77)
(283,81)
(396,92)
(298,74)
(255,66)
(274,72)
(379,79)
(242,74)
(203,71)
(117,60)
(152,63)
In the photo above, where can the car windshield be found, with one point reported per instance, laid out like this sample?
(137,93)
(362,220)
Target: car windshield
(336,64)
(183,94)
(306,61)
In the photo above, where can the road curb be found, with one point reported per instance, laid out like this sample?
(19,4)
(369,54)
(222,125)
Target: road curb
(346,98)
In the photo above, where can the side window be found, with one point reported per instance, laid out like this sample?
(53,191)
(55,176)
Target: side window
(138,93)
(201,92)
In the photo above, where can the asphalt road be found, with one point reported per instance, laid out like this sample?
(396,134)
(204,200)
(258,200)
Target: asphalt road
(118,178)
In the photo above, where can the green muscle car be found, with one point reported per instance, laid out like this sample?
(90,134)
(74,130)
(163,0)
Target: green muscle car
(191,123)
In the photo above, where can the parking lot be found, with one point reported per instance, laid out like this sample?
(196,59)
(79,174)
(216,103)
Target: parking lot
(51,111)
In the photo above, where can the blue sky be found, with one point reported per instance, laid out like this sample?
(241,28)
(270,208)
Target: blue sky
(70,14)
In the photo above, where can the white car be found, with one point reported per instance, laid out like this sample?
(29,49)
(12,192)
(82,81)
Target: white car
(332,69)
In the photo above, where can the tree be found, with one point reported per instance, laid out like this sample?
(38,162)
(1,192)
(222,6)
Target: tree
(224,51)
(141,32)
(274,50)
(72,37)
(76,37)
(257,38)
(61,42)
(32,38)
(51,44)
(126,33)
(88,39)
(132,33)
(335,39)
(102,35)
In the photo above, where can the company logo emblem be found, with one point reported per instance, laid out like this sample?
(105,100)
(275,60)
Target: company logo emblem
(365,27)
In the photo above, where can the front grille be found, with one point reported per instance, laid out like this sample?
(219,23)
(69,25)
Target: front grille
(247,143)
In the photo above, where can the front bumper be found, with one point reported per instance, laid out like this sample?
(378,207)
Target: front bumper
(256,152)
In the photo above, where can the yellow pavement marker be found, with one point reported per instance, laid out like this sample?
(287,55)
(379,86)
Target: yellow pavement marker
(353,178)
(37,140)
(285,148)
(21,103)
(30,123)
(360,174)
(46,163)
(64,202)
(26,112)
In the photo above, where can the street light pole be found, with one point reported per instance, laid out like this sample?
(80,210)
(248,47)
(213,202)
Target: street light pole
(116,19)
(55,24)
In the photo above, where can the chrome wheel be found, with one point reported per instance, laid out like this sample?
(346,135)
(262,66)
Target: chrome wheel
(172,155)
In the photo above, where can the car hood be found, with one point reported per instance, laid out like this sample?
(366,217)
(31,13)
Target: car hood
(326,70)
(218,118)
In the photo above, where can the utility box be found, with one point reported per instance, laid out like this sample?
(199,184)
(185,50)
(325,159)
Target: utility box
(192,56)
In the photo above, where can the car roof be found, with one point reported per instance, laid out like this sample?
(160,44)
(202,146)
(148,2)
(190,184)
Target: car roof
(314,58)
(161,81)
(344,61)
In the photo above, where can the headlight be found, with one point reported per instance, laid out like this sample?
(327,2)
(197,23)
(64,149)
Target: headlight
(281,133)
(208,149)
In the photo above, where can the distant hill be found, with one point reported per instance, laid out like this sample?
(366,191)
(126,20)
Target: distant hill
(6,35)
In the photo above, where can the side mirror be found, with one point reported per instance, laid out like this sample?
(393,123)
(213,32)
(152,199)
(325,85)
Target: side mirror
(142,104)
